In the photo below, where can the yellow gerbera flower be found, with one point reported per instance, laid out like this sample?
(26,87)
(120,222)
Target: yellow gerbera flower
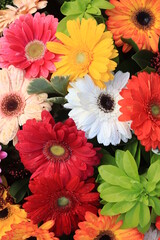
(88,50)
(10,214)
(104,227)
(25,230)
(139,20)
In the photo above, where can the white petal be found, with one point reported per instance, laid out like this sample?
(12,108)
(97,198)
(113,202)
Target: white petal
(9,130)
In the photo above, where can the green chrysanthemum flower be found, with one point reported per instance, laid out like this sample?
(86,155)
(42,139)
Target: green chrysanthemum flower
(124,191)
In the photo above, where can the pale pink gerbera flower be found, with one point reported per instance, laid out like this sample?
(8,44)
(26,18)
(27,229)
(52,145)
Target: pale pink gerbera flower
(24,45)
(16,106)
(20,7)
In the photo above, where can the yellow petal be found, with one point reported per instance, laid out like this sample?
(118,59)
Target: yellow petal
(47,225)
(57,48)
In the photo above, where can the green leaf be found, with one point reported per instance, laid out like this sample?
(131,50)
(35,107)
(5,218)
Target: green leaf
(62,25)
(155,203)
(138,155)
(153,172)
(112,209)
(19,188)
(58,100)
(153,216)
(118,194)
(130,166)
(114,176)
(119,158)
(148,69)
(103,186)
(103,4)
(107,159)
(150,186)
(70,8)
(144,229)
(93,10)
(40,85)
(60,84)
(131,219)
(129,41)
(144,215)
(83,4)
(143,58)
(154,158)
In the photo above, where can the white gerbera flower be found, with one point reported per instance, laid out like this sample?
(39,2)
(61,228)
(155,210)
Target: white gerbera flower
(152,234)
(16,106)
(96,110)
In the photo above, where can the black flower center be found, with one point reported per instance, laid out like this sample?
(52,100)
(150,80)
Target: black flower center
(12,105)
(106,102)
(4,213)
(31,238)
(105,235)
(143,18)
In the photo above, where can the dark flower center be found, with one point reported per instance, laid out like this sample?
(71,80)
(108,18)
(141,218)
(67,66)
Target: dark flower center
(105,235)
(143,18)
(155,62)
(57,152)
(31,238)
(11,105)
(4,213)
(106,103)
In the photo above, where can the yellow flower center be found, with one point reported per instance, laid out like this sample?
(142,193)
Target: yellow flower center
(63,201)
(57,150)
(80,58)
(155,109)
(35,50)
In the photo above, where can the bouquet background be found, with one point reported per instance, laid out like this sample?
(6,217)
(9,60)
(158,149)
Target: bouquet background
(80,120)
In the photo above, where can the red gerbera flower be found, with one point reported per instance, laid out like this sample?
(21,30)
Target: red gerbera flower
(141,105)
(158,222)
(64,203)
(57,148)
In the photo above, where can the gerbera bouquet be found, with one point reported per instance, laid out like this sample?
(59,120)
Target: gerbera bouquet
(80,119)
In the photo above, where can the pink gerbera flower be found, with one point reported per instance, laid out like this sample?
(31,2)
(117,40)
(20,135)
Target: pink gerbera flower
(24,45)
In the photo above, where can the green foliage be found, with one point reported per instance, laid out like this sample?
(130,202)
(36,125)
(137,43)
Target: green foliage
(81,9)
(3,3)
(19,189)
(143,59)
(128,193)
(57,86)
(129,41)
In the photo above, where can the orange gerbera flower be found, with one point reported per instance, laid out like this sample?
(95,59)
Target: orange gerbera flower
(25,230)
(139,20)
(141,105)
(104,227)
